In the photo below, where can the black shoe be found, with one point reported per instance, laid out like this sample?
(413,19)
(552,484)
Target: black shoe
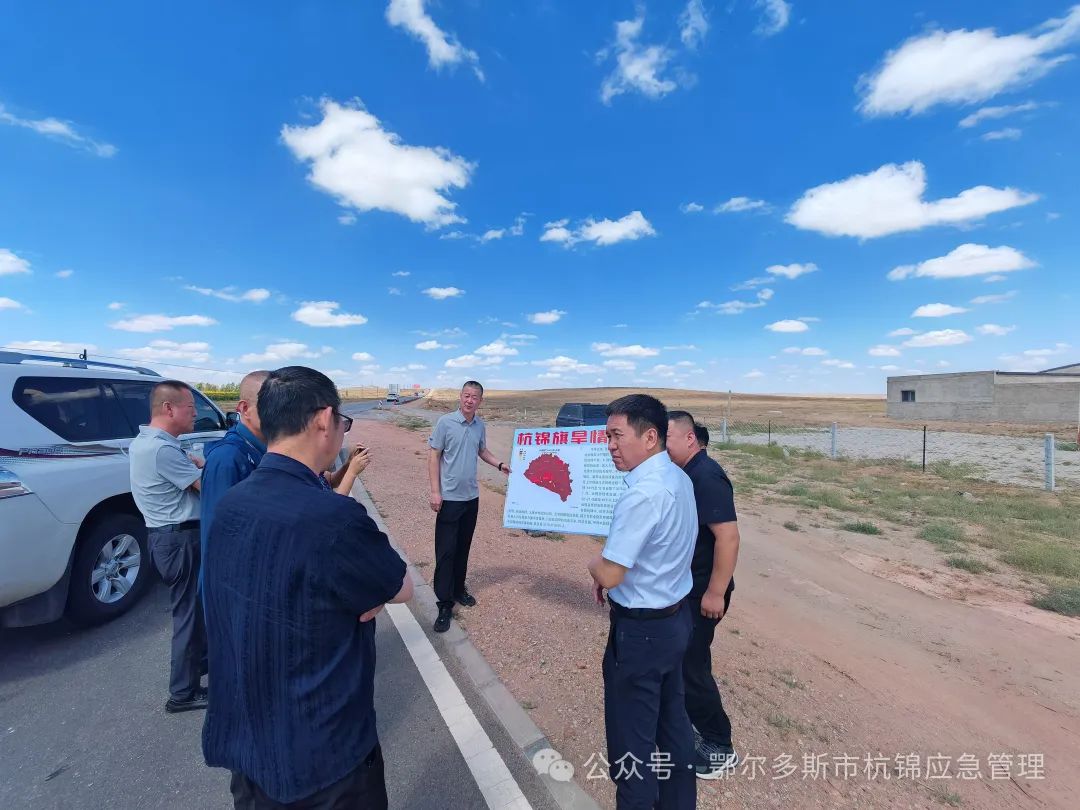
(442,624)
(194,703)
(465,599)
(714,760)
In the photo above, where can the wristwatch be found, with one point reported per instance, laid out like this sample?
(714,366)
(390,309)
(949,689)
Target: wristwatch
(499,468)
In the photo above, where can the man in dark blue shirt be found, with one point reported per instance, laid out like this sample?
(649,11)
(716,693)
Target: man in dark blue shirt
(295,574)
(234,457)
(713,567)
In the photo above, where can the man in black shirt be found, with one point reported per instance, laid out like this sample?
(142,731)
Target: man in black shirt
(713,569)
(294,575)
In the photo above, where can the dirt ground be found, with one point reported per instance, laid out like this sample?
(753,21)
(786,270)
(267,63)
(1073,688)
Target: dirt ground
(845,646)
(712,406)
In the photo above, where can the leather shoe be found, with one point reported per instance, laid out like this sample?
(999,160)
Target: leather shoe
(465,599)
(442,624)
(194,703)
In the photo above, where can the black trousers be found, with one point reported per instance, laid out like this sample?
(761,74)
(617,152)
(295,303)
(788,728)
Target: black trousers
(703,702)
(645,710)
(363,789)
(176,557)
(454,526)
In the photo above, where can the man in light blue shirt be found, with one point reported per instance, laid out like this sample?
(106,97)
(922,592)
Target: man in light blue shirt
(645,567)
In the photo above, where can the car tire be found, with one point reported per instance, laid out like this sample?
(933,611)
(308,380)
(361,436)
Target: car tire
(111,570)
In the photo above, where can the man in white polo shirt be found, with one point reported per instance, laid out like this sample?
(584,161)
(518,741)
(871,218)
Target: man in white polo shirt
(645,567)
(165,485)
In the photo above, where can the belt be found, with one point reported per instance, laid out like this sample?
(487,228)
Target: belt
(187,525)
(643,613)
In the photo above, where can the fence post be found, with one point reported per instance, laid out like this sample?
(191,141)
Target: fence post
(924,448)
(833,451)
(723,430)
(770,432)
(1049,462)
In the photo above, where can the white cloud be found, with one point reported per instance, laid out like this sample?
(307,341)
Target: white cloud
(1007,134)
(283,352)
(994,329)
(752,375)
(809,351)
(686,347)
(602,232)
(58,130)
(442,293)
(937,311)
(401,274)
(788,326)
(431,345)
(890,200)
(883,350)
(941,337)
(363,166)
(10,264)
(116,305)
(636,350)
(161,323)
(693,24)
(452,332)
(50,346)
(162,350)
(566,365)
(995,278)
(988,113)
(739,204)
(256,295)
(393,291)
(890,367)
(362,357)
(347,219)
(10,303)
(838,363)
(963,67)
(620,365)
(637,67)
(776,14)
(443,48)
(1059,348)
(546,318)
(791,271)
(472,361)
(324,313)
(966,260)
(1000,298)
(65,273)
(902,332)
(1033,359)
(497,348)
(738,307)
(519,339)
(691,208)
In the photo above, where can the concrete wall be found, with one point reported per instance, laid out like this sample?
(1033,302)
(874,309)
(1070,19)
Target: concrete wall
(964,397)
(1037,402)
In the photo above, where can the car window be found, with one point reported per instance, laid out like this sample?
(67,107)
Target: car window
(207,417)
(134,399)
(77,410)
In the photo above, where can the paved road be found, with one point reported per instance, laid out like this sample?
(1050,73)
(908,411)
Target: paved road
(82,724)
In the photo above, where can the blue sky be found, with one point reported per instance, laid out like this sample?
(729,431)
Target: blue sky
(760,195)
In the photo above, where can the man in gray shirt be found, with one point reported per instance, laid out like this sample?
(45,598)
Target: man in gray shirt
(458,440)
(165,485)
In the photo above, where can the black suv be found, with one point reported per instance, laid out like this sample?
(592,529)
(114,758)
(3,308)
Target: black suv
(579,414)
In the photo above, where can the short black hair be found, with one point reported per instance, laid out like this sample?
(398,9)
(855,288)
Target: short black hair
(161,392)
(290,397)
(642,412)
(473,384)
(702,434)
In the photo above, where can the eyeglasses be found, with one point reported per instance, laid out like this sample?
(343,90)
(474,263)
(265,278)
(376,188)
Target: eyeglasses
(347,421)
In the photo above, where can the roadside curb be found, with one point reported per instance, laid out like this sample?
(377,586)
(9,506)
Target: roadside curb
(526,735)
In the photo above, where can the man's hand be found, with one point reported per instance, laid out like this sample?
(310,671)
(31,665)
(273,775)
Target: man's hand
(598,592)
(359,459)
(198,462)
(505,469)
(436,502)
(712,605)
(371,614)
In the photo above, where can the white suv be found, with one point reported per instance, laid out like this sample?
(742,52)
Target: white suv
(71,538)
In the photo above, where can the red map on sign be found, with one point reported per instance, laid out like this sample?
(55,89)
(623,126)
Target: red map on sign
(552,473)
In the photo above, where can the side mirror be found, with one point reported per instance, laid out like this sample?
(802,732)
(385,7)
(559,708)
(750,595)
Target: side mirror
(232,419)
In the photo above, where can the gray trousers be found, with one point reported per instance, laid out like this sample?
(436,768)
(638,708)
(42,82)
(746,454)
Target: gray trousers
(176,557)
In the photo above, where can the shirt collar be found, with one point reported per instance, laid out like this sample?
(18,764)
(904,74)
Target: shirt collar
(649,465)
(459,416)
(697,458)
(245,433)
(276,461)
(158,433)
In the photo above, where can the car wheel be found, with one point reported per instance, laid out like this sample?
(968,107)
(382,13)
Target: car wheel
(111,570)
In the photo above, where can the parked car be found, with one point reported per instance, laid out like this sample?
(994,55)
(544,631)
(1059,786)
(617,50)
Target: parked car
(577,414)
(392,398)
(71,538)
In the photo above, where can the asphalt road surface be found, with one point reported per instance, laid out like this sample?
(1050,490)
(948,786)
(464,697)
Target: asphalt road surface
(82,724)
